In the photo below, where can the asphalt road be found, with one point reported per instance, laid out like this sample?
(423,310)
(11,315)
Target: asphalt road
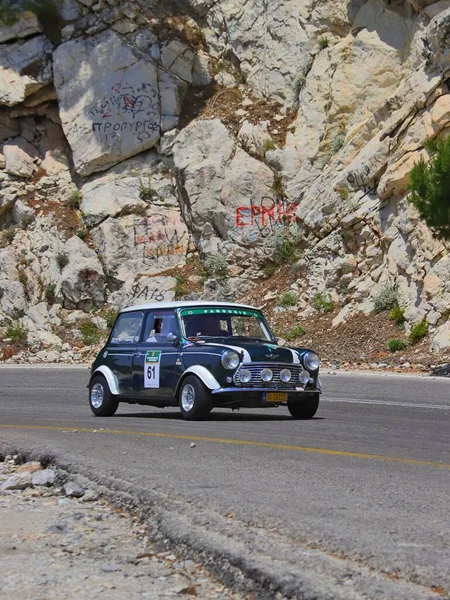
(352,504)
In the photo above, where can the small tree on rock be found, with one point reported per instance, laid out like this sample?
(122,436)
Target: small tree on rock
(429,183)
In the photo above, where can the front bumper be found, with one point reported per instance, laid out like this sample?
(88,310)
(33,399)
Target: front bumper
(289,391)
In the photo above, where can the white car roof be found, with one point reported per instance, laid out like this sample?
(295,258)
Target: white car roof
(192,304)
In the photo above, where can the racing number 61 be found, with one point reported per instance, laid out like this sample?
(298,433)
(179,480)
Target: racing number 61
(151,372)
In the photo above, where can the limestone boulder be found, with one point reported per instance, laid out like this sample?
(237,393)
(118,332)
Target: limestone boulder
(150,244)
(13,301)
(118,189)
(224,187)
(24,25)
(255,139)
(178,58)
(396,179)
(24,69)
(82,281)
(441,337)
(20,157)
(113,102)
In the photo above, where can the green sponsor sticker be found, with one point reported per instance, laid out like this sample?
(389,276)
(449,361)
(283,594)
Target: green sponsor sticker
(152,356)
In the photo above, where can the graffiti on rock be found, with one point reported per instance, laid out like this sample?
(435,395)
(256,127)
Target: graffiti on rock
(161,236)
(362,181)
(146,292)
(126,108)
(262,220)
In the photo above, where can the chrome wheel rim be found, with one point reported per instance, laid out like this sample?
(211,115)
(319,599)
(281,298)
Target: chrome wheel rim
(188,397)
(97,395)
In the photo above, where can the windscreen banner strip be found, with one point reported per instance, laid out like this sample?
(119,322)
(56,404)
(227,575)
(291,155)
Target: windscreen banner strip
(221,311)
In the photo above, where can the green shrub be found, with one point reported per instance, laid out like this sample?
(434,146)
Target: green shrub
(294,333)
(287,299)
(395,345)
(82,233)
(322,303)
(397,314)
(277,185)
(418,331)
(146,192)
(180,286)
(343,193)
(23,277)
(429,184)
(216,265)
(323,42)
(62,260)
(16,332)
(90,333)
(7,236)
(50,293)
(269,269)
(74,200)
(283,247)
(110,317)
(386,299)
(269,145)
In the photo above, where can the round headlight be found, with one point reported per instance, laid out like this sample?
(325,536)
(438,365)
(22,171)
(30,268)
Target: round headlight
(245,376)
(304,377)
(230,359)
(266,375)
(285,375)
(311,361)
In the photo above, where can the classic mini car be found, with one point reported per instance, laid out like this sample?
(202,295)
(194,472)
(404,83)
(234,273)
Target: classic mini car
(198,356)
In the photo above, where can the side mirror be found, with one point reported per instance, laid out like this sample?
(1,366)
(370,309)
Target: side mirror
(281,341)
(172,338)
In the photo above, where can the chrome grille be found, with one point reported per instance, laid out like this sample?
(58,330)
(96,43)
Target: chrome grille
(256,368)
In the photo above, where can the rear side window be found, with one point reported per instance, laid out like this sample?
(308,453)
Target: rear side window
(159,324)
(127,329)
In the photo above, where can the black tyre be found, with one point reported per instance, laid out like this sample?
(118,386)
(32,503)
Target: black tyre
(101,401)
(304,408)
(194,399)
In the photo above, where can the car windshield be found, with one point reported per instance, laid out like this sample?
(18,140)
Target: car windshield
(224,322)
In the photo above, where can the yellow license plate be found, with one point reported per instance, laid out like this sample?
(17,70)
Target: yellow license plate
(276,397)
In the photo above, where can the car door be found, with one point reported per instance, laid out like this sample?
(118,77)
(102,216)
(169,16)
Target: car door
(121,348)
(157,361)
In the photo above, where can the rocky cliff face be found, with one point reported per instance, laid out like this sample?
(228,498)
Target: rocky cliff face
(152,149)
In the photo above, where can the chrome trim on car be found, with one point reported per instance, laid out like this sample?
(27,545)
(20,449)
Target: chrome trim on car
(275,382)
(266,389)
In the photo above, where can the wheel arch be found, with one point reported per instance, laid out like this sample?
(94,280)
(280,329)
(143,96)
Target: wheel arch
(203,374)
(111,379)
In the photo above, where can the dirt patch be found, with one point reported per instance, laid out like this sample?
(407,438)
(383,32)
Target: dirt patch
(359,343)
(214,102)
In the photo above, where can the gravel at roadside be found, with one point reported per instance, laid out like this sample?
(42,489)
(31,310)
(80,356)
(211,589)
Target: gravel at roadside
(60,540)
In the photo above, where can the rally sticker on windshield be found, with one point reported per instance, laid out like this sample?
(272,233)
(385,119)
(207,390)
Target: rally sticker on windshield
(151,368)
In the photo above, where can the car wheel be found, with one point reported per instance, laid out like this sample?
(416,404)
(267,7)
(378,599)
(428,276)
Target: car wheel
(194,399)
(304,408)
(101,401)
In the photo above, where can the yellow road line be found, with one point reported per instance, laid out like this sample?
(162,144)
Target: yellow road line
(214,440)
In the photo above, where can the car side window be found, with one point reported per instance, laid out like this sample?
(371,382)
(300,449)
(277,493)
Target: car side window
(158,325)
(127,329)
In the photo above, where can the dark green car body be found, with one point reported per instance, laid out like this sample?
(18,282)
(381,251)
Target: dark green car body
(144,367)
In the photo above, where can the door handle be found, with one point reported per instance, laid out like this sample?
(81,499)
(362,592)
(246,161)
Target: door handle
(137,354)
